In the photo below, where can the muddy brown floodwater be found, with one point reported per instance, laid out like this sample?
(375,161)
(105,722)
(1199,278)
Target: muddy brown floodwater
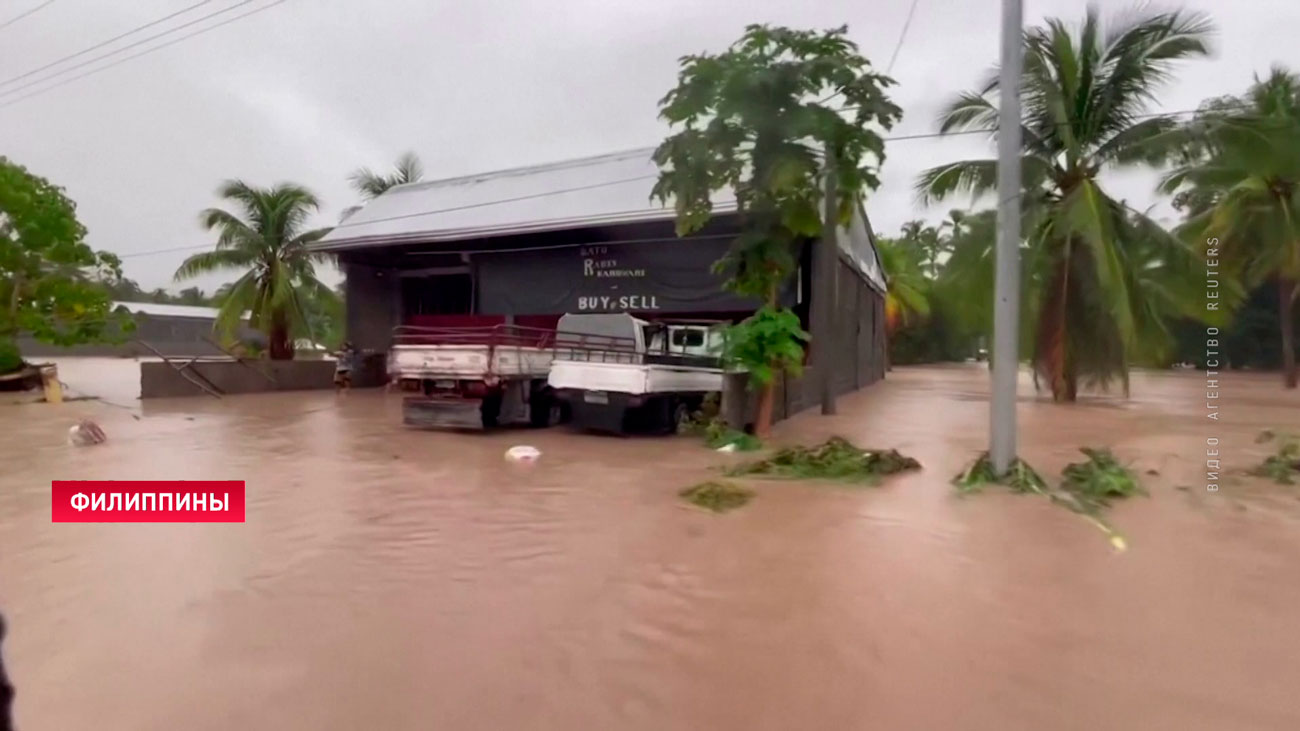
(389,579)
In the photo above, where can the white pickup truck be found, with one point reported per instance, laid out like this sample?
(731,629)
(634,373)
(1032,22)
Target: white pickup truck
(474,377)
(618,373)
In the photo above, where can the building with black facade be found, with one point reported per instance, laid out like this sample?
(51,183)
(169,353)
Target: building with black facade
(528,245)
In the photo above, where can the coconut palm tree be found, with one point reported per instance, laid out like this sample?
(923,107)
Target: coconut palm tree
(266,238)
(1247,180)
(906,298)
(371,185)
(1084,95)
(928,241)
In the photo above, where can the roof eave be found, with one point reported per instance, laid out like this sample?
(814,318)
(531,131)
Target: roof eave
(364,242)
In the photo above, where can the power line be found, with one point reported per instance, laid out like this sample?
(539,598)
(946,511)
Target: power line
(101,57)
(482,204)
(101,44)
(145,52)
(417,214)
(902,35)
(20,16)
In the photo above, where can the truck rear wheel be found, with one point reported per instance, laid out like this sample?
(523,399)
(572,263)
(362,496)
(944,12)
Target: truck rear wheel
(491,409)
(542,408)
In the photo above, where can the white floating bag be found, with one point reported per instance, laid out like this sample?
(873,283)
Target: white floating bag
(85,433)
(523,453)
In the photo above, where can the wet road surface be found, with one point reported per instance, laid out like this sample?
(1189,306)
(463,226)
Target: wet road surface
(390,579)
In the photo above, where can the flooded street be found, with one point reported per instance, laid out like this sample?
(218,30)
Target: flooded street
(393,579)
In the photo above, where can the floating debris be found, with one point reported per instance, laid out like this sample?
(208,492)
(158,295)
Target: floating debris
(85,433)
(1087,486)
(523,453)
(1099,480)
(717,435)
(718,497)
(836,459)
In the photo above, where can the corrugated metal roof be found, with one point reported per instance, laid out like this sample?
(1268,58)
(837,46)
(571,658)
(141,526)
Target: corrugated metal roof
(608,189)
(162,310)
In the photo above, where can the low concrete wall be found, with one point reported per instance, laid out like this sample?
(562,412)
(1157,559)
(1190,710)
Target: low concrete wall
(792,395)
(160,380)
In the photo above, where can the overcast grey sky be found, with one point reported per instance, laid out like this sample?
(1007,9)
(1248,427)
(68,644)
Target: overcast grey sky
(310,89)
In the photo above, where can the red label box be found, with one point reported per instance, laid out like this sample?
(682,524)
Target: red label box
(147,501)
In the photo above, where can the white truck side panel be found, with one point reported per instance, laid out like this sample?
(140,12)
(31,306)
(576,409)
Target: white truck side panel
(616,377)
(633,378)
(670,379)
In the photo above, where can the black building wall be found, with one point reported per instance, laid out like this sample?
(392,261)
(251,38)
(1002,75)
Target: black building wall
(859,356)
(374,305)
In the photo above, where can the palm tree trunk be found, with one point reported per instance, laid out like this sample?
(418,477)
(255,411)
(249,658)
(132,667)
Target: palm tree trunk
(1286,303)
(1052,357)
(281,345)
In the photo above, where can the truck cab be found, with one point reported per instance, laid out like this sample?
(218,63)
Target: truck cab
(620,373)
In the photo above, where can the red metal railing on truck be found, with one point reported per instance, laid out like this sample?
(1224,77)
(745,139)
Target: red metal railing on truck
(491,336)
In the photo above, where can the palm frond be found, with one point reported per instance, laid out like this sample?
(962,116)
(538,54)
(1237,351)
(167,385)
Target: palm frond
(211,261)
(238,299)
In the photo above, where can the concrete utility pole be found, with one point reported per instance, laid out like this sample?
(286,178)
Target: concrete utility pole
(1006,298)
(823,292)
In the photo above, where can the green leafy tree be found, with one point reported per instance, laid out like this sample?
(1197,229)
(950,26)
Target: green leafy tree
(123,289)
(754,120)
(266,239)
(49,278)
(191,296)
(1101,279)
(370,184)
(928,241)
(1243,193)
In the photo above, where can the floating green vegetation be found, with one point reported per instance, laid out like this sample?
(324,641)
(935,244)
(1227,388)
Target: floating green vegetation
(718,435)
(836,459)
(1086,488)
(707,424)
(1265,436)
(1095,482)
(717,496)
(1283,466)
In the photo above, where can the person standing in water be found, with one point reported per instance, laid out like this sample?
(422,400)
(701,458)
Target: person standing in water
(343,370)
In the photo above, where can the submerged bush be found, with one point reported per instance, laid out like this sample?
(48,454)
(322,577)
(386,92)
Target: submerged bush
(717,496)
(1283,466)
(836,459)
(1086,487)
(1100,479)
(717,434)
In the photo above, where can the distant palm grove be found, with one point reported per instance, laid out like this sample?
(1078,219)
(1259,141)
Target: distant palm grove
(1105,287)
